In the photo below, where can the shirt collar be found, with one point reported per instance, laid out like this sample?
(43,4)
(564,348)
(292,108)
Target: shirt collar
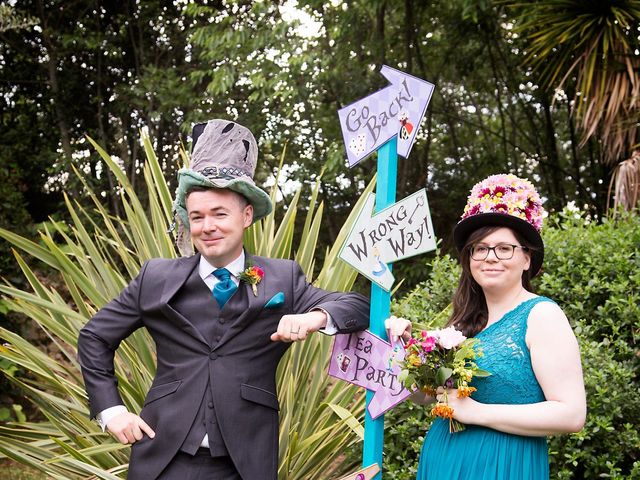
(205,268)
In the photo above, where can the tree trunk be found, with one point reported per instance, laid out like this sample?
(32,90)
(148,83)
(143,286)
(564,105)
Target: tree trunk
(52,73)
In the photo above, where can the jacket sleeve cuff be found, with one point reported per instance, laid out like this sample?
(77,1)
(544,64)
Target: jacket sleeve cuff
(105,416)
(330,328)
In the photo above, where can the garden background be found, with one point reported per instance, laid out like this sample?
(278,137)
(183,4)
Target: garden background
(98,99)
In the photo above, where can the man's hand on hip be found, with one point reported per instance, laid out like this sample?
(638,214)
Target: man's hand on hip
(293,328)
(129,427)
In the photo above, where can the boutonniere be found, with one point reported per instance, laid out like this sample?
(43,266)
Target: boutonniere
(253,276)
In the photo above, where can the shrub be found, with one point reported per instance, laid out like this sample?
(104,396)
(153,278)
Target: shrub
(593,272)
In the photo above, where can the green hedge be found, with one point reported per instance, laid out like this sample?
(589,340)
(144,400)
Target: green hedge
(593,272)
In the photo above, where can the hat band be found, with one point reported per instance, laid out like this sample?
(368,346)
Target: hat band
(224,173)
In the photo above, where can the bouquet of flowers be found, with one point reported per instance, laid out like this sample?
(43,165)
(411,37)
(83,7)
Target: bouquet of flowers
(441,358)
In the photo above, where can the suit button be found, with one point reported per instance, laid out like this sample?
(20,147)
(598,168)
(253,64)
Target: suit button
(213,355)
(218,338)
(222,320)
(210,405)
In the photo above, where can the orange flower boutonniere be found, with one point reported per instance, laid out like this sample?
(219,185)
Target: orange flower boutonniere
(253,276)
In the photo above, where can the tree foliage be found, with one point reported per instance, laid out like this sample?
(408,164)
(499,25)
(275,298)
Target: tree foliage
(590,49)
(108,70)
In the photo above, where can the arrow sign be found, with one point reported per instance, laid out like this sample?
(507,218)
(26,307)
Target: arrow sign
(364,474)
(395,110)
(366,360)
(402,230)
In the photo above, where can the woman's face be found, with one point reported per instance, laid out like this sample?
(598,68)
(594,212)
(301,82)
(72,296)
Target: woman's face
(499,273)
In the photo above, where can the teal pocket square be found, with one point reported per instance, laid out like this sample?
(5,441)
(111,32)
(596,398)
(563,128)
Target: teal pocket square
(275,301)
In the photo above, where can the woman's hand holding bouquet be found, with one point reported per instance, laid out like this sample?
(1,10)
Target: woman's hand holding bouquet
(441,358)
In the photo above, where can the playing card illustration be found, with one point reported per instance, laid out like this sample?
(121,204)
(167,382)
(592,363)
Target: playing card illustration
(358,144)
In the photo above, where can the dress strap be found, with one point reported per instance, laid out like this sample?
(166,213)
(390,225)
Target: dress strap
(532,302)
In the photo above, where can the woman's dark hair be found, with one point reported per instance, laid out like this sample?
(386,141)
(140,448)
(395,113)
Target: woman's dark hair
(469,304)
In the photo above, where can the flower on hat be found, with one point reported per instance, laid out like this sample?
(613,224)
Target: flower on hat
(508,194)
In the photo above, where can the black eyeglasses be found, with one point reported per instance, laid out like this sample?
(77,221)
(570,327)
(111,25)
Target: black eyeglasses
(502,251)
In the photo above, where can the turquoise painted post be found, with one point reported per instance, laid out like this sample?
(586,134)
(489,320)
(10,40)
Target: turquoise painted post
(380,300)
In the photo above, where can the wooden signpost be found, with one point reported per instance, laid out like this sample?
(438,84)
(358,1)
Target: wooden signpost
(386,121)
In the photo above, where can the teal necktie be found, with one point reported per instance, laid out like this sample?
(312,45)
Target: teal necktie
(226,287)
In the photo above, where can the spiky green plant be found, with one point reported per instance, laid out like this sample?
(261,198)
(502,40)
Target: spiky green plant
(95,259)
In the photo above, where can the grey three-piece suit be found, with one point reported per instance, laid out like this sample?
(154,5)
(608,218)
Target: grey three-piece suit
(216,367)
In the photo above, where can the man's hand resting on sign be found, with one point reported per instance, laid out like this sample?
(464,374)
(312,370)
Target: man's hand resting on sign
(294,328)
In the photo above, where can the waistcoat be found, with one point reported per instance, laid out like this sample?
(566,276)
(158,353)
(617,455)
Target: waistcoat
(196,303)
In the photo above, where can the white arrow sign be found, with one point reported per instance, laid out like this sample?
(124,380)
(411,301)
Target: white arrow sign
(400,231)
(395,110)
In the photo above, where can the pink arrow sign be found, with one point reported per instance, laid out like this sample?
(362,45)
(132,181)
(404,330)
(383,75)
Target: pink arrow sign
(394,110)
(366,360)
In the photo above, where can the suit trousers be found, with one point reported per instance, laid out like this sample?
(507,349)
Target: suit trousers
(201,466)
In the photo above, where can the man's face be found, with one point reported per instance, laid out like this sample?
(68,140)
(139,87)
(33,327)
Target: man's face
(217,219)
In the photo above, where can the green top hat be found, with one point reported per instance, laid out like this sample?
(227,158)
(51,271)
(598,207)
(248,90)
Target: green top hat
(224,155)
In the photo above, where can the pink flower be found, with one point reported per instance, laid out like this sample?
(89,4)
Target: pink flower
(428,344)
(450,338)
(412,341)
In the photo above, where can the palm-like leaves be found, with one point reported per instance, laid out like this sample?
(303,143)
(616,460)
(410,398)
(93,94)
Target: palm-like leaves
(625,184)
(95,260)
(595,41)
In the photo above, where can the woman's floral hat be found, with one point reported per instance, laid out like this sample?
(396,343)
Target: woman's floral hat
(507,201)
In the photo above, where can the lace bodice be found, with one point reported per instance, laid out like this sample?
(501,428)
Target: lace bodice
(507,357)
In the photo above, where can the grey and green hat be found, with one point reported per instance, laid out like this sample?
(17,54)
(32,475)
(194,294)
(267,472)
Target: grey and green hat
(224,155)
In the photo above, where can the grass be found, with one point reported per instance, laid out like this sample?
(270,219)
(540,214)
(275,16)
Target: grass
(14,471)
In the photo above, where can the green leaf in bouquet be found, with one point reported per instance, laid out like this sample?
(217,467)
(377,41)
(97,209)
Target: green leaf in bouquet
(443,375)
(410,381)
(481,373)
(466,349)
(403,376)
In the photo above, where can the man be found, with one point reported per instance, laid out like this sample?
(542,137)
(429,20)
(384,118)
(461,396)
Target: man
(221,320)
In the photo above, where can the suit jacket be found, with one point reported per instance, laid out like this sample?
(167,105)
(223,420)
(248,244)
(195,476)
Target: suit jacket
(241,366)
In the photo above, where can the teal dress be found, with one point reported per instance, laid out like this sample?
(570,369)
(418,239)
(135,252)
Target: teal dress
(480,453)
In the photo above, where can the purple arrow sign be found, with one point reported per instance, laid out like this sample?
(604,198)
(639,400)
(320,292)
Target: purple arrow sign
(395,110)
(366,360)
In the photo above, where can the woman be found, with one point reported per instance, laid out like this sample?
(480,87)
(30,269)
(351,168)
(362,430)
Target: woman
(536,387)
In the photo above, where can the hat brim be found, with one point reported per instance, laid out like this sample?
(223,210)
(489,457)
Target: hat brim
(258,198)
(465,227)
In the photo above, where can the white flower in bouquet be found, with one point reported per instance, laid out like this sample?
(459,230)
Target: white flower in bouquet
(450,338)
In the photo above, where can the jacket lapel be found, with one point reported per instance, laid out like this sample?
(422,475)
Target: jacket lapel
(174,282)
